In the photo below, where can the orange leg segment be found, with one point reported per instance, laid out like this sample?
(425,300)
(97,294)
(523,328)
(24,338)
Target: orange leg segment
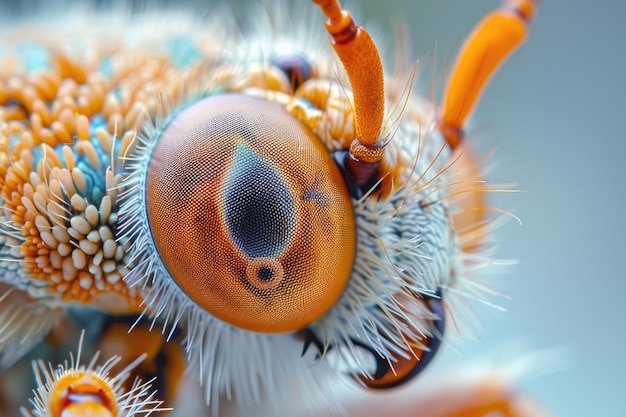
(499,34)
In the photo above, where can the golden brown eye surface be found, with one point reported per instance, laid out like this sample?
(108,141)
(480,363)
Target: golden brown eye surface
(250,214)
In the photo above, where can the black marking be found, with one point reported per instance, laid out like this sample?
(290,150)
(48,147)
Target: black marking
(158,374)
(382,363)
(265,274)
(310,338)
(356,191)
(315,194)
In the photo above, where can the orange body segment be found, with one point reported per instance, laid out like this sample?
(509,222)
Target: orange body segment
(82,394)
(164,361)
(469,220)
(456,396)
(499,34)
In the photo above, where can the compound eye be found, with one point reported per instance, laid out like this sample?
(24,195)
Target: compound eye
(249,213)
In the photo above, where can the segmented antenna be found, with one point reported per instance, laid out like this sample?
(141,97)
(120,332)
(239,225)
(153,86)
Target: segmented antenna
(493,40)
(360,58)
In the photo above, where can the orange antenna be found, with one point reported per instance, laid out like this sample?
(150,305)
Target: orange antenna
(359,55)
(493,40)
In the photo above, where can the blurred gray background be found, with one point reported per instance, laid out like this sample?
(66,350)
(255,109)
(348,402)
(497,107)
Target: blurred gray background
(554,113)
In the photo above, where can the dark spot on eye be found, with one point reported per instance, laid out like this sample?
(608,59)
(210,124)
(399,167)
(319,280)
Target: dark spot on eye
(315,193)
(296,67)
(265,274)
(258,206)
